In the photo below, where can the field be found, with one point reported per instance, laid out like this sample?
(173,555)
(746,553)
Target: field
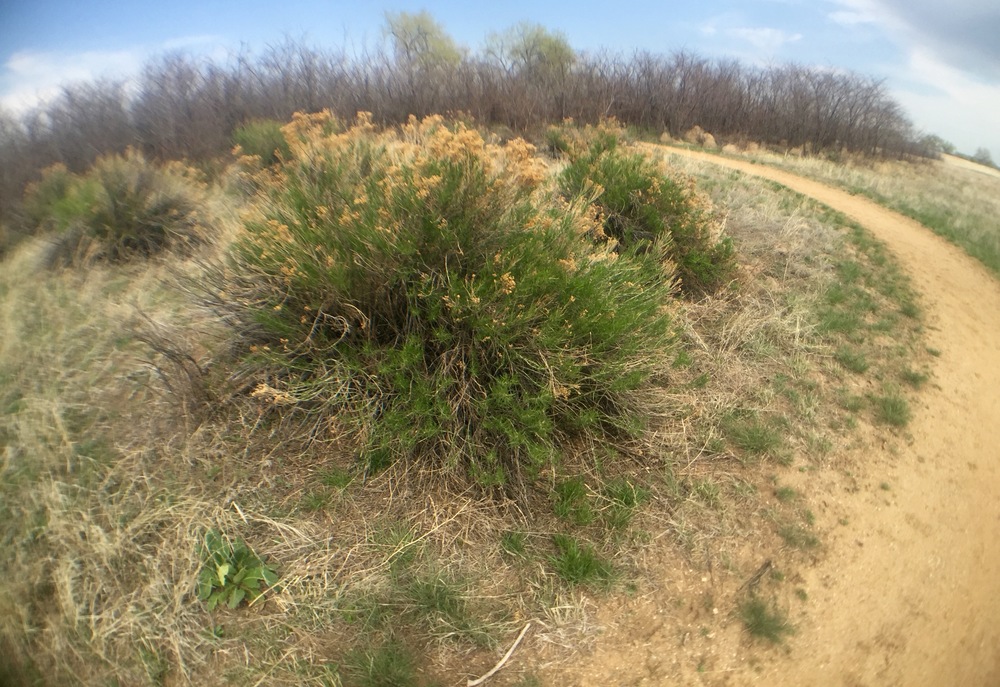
(793,382)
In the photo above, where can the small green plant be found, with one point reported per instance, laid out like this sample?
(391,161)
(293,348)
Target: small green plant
(891,408)
(514,543)
(571,501)
(753,436)
(851,359)
(232,572)
(765,620)
(578,564)
(389,664)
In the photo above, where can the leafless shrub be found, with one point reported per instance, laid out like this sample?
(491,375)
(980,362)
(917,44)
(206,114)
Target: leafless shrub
(524,79)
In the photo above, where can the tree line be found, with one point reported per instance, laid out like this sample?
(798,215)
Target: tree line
(523,78)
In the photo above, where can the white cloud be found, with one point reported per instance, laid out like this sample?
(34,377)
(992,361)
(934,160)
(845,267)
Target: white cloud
(950,102)
(30,78)
(764,39)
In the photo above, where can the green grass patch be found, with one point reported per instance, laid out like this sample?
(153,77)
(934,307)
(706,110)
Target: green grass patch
(891,408)
(578,563)
(851,359)
(572,502)
(798,536)
(753,437)
(765,620)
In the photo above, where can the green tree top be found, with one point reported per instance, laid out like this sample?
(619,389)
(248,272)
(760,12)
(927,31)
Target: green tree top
(419,41)
(531,49)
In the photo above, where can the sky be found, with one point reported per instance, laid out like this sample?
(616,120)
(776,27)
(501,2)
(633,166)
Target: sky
(939,58)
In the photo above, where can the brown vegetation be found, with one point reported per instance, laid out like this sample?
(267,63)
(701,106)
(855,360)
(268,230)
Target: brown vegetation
(525,78)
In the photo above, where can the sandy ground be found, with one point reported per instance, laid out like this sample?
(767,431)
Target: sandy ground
(908,591)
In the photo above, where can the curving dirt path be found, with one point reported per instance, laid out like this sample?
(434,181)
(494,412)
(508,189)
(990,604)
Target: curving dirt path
(908,594)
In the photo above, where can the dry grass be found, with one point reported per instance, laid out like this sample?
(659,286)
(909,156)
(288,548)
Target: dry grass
(956,199)
(108,483)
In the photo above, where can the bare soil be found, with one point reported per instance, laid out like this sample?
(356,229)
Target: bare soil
(907,591)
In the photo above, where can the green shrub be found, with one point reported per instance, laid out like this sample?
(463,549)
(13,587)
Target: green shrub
(262,138)
(430,291)
(645,208)
(123,207)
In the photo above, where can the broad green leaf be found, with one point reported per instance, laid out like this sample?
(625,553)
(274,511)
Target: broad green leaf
(236,597)
(223,572)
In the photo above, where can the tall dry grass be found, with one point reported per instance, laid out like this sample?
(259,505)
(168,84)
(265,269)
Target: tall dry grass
(956,200)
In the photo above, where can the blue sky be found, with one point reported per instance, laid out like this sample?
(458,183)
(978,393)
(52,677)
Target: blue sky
(940,58)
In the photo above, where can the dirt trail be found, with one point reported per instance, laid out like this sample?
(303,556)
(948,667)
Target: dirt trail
(908,593)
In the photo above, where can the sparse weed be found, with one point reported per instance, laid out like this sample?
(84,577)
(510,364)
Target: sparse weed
(389,664)
(753,436)
(851,359)
(514,544)
(765,620)
(914,378)
(798,536)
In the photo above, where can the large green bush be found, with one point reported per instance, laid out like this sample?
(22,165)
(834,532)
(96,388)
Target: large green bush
(431,292)
(645,207)
(122,207)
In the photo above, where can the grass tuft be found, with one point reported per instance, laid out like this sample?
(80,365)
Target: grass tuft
(579,564)
(765,620)
(891,408)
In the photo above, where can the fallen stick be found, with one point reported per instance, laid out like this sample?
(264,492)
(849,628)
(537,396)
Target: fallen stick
(498,666)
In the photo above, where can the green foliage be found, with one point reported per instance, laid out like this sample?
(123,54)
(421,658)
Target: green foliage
(765,620)
(532,51)
(851,359)
(420,42)
(645,208)
(387,665)
(122,207)
(232,572)
(571,501)
(891,408)
(431,291)
(753,436)
(579,564)
(624,498)
(262,138)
